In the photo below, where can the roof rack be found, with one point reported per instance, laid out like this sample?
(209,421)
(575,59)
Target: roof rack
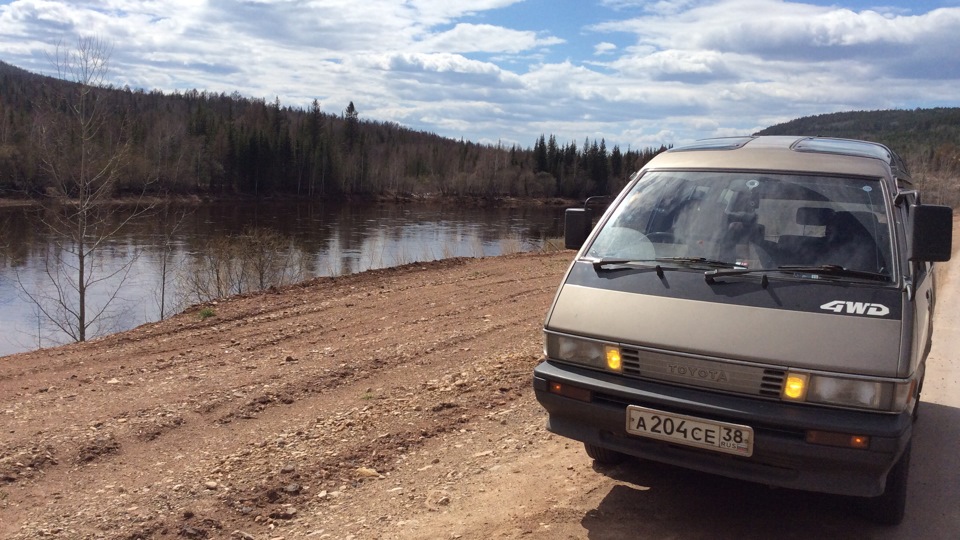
(847,147)
(721,143)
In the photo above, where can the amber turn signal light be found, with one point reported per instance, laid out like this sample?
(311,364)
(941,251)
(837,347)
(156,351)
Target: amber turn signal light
(795,387)
(572,392)
(843,440)
(614,360)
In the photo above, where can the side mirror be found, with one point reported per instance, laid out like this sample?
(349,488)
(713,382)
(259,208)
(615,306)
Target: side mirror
(577,223)
(930,233)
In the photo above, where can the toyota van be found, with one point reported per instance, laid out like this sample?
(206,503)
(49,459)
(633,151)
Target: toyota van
(753,307)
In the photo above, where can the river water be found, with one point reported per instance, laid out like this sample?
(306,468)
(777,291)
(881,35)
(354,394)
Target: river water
(168,258)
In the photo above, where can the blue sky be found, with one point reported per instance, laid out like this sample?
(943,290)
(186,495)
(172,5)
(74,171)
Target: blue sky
(637,73)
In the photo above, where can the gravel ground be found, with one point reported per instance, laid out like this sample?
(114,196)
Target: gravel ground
(287,414)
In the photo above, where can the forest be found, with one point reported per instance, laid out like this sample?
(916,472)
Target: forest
(199,143)
(218,145)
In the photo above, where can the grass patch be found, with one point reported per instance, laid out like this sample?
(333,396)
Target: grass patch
(206,313)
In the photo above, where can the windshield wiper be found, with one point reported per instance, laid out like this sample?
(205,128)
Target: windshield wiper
(701,261)
(823,271)
(611,264)
(833,270)
(710,275)
(599,264)
(624,264)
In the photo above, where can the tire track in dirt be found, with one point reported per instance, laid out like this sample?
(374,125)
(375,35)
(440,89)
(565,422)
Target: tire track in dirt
(189,428)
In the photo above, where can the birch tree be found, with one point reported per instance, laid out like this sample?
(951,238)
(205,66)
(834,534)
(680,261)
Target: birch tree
(82,145)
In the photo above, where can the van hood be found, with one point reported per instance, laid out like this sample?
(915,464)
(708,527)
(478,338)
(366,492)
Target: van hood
(834,327)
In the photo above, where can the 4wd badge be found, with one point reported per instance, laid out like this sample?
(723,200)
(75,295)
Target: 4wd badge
(856,308)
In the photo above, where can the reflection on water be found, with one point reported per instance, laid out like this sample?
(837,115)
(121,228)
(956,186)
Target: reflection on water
(329,240)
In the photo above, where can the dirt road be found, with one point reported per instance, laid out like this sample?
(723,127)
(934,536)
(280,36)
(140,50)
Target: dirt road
(392,404)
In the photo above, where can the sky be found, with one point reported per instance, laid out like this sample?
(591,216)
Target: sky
(635,73)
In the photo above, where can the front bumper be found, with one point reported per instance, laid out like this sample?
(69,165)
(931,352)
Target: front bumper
(781,455)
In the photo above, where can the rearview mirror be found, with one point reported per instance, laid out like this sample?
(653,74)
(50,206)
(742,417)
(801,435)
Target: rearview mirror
(577,223)
(931,233)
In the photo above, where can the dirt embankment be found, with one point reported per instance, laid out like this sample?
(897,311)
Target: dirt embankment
(391,404)
(341,406)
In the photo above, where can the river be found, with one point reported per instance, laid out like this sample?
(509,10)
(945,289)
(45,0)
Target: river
(181,254)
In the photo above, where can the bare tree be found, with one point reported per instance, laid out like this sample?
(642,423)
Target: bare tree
(83,145)
(171,221)
(212,272)
(254,260)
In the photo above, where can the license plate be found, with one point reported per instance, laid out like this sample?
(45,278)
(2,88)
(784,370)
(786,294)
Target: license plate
(691,431)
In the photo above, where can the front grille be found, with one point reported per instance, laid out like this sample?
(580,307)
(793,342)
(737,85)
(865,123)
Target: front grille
(703,372)
(772,383)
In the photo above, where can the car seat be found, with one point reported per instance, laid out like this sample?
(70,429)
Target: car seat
(851,241)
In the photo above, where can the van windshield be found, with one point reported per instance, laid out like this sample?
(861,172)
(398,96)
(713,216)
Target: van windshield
(750,220)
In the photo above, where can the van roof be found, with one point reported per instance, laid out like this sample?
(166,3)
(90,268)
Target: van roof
(786,153)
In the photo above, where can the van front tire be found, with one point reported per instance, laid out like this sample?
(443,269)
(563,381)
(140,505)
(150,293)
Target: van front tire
(604,456)
(888,509)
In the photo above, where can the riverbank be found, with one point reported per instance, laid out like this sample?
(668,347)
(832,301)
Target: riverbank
(210,252)
(277,414)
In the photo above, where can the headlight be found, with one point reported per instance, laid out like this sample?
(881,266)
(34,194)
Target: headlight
(848,392)
(875,395)
(595,354)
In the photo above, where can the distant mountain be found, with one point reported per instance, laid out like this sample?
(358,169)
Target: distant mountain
(905,131)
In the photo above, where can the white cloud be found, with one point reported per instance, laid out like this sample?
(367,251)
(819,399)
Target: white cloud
(485,38)
(438,11)
(775,29)
(677,65)
(604,47)
(642,69)
(754,56)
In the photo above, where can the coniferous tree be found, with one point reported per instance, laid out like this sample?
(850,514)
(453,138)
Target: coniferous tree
(220,144)
(540,155)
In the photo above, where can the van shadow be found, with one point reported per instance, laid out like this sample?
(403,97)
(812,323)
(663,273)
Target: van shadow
(661,501)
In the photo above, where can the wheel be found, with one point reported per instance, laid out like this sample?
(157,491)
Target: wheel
(604,456)
(888,509)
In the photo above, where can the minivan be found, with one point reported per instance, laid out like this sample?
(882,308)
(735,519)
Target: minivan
(754,307)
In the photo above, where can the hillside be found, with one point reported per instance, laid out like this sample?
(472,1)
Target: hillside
(201,143)
(907,131)
(197,142)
